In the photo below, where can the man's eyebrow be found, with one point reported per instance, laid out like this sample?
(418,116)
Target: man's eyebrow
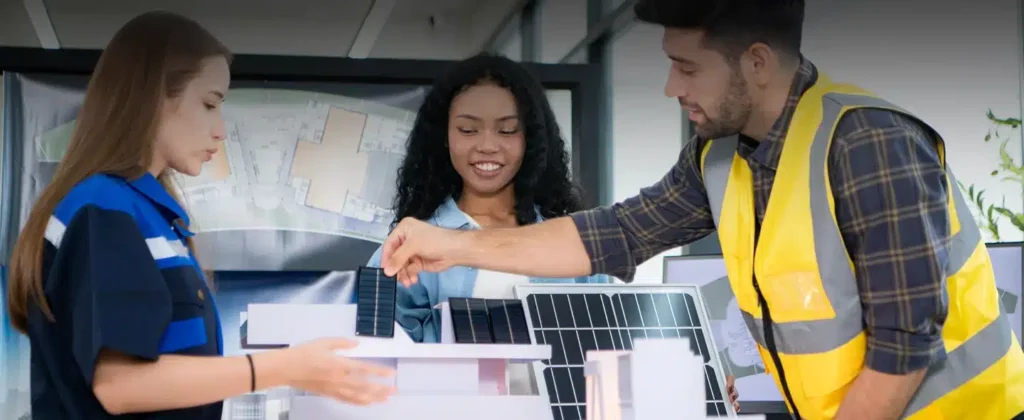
(681,60)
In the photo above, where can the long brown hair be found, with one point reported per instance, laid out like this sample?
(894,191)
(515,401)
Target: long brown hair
(150,59)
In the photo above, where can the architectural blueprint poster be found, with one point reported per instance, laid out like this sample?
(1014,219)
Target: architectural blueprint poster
(301,187)
(303,182)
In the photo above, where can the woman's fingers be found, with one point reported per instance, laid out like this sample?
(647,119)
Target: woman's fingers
(356,396)
(359,368)
(356,390)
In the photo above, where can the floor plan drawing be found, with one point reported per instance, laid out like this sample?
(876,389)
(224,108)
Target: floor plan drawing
(302,161)
(293,160)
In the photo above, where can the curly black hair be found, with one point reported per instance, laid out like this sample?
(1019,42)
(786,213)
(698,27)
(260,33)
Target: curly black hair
(427,177)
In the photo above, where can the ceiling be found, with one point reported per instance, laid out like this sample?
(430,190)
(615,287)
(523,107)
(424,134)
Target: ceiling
(417,29)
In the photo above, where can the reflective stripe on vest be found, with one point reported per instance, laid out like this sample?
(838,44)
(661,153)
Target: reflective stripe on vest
(970,359)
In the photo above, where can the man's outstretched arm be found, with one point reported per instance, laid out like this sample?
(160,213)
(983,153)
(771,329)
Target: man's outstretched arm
(609,240)
(549,249)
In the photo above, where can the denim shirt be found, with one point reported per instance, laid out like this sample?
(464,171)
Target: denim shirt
(415,305)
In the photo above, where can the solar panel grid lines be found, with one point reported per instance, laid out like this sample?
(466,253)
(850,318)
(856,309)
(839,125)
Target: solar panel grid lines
(470,320)
(375,303)
(516,315)
(481,321)
(579,318)
(501,327)
(508,321)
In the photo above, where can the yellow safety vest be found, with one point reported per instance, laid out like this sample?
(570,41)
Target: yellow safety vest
(807,279)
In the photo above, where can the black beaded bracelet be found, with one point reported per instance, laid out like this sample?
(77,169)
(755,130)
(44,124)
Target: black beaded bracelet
(252,373)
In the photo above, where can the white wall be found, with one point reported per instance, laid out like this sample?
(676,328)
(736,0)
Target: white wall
(947,62)
(647,127)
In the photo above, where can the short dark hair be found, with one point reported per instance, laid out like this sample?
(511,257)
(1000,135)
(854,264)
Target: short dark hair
(732,26)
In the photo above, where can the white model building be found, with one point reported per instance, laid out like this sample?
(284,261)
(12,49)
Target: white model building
(658,379)
(433,381)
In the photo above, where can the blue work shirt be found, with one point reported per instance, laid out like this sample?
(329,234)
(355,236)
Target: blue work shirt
(415,308)
(118,276)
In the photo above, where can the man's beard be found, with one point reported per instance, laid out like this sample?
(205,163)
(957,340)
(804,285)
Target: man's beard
(733,111)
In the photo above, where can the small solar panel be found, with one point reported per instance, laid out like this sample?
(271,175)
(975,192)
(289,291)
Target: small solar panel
(508,321)
(470,320)
(576,319)
(375,303)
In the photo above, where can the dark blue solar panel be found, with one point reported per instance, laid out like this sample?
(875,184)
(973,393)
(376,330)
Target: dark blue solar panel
(499,321)
(508,321)
(375,303)
(470,321)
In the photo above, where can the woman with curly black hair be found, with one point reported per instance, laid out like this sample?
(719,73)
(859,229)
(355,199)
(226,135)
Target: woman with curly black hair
(485,152)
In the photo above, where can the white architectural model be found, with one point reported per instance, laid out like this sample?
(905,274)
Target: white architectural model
(658,379)
(433,381)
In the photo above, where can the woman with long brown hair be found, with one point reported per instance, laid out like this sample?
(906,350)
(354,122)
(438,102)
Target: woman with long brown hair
(103,278)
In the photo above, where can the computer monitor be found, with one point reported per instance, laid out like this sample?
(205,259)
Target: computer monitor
(1008,264)
(736,348)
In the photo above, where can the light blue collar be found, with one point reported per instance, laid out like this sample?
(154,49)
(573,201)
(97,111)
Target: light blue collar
(449,216)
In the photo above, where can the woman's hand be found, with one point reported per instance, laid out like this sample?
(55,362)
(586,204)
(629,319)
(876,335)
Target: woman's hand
(125,384)
(317,368)
(734,395)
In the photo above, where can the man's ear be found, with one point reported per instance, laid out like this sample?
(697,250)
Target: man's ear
(760,62)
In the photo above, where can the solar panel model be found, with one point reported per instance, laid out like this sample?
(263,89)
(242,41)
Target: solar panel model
(375,303)
(497,321)
(575,319)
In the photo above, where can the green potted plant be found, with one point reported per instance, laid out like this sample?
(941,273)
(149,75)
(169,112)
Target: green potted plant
(1009,171)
